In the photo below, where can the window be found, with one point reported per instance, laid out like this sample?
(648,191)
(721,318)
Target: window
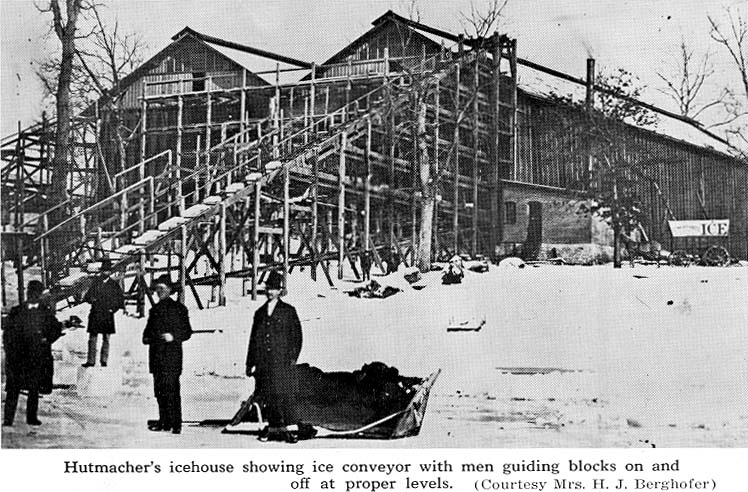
(198,81)
(510,212)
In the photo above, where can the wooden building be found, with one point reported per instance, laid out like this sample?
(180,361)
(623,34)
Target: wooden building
(302,163)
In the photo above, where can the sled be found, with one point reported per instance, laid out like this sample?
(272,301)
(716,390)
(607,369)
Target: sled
(347,416)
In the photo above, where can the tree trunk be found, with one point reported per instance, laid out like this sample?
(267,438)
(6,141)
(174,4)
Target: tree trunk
(61,160)
(428,194)
(425,234)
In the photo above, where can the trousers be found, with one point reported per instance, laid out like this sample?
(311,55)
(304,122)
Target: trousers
(11,402)
(93,339)
(168,396)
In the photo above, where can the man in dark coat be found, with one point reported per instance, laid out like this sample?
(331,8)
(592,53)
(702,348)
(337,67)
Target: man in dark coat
(274,347)
(28,335)
(167,327)
(366,260)
(105,297)
(394,260)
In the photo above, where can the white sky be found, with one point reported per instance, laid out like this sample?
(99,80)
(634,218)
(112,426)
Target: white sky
(639,35)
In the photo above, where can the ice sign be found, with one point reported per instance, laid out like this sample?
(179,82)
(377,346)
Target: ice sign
(700,228)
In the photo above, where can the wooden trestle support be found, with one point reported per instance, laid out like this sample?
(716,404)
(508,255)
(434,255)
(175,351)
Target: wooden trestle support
(309,189)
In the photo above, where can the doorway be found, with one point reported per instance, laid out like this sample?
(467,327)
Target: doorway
(534,238)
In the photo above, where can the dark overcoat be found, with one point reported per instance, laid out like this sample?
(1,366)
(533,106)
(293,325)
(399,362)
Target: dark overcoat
(274,347)
(105,297)
(167,316)
(28,335)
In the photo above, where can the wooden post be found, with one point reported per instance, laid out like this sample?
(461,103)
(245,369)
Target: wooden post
(44,250)
(589,103)
(327,100)
(143,286)
(391,159)
(222,256)
(341,203)
(182,262)
(20,197)
(141,168)
(152,203)
(306,121)
(315,213)
(495,157)
(198,171)
(243,107)
(515,141)
(286,223)
(313,93)
(476,137)
(256,240)
(367,187)
(456,144)
(208,130)
(243,245)
(348,91)
(435,222)
(276,111)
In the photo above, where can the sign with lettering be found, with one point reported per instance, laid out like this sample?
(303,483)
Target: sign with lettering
(700,228)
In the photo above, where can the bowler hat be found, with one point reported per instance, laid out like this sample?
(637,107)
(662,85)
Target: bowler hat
(165,280)
(274,281)
(34,288)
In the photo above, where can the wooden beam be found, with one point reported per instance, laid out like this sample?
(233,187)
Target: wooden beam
(496,200)
(341,203)
(476,136)
(286,224)
(256,240)
(222,256)
(141,168)
(367,187)
(456,182)
(182,262)
(315,212)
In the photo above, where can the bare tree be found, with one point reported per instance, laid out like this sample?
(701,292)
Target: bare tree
(479,23)
(103,55)
(64,25)
(686,82)
(731,35)
(106,56)
(618,163)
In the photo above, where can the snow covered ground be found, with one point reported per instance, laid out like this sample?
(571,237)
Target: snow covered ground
(568,357)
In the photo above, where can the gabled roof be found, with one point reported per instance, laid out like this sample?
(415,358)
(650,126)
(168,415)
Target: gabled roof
(427,35)
(542,85)
(533,79)
(546,83)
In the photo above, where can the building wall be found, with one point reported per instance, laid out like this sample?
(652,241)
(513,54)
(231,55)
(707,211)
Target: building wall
(565,217)
(677,180)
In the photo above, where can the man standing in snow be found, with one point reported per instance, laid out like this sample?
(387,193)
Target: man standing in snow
(28,335)
(366,264)
(274,347)
(106,297)
(167,327)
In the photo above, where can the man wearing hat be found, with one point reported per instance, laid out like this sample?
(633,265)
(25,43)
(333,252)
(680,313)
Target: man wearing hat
(167,327)
(274,347)
(106,297)
(28,335)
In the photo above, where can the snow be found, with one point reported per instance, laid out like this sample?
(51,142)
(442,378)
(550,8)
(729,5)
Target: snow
(569,356)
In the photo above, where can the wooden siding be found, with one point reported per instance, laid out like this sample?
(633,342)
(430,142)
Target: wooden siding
(693,183)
